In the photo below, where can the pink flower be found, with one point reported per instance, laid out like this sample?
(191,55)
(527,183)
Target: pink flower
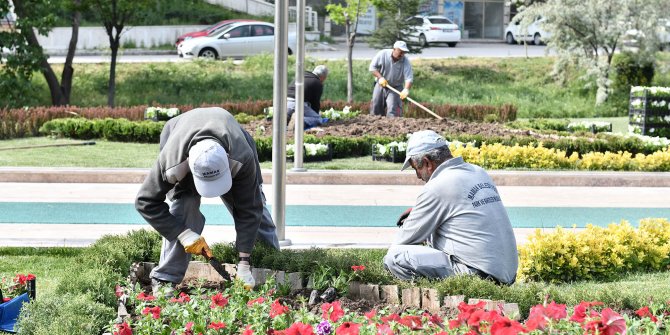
(258,300)
(505,326)
(384,329)
(155,311)
(277,309)
(371,314)
(583,310)
(332,311)
(118,290)
(145,297)
(189,329)
(357,268)
(348,328)
(183,298)
(248,330)
(122,329)
(393,317)
(300,328)
(216,325)
(218,300)
(411,321)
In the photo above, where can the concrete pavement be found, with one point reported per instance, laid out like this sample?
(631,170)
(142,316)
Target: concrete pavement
(365,188)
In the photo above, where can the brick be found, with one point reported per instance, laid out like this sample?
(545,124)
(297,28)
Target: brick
(310,282)
(453,301)
(295,280)
(280,277)
(354,291)
(261,275)
(201,271)
(430,299)
(498,306)
(411,297)
(511,310)
(121,311)
(390,294)
(369,292)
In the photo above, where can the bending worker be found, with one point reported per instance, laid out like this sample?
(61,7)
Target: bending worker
(458,225)
(313,88)
(203,153)
(390,67)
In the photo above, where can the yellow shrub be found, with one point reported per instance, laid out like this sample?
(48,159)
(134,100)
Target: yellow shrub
(595,252)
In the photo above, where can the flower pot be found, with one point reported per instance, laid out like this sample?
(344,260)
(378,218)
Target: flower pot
(9,312)
(649,113)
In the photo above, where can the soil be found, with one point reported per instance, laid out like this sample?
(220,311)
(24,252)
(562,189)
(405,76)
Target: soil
(382,126)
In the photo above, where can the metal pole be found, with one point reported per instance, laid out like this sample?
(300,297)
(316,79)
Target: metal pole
(299,87)
(279,120)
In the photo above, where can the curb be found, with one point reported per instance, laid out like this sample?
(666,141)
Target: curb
(350,177)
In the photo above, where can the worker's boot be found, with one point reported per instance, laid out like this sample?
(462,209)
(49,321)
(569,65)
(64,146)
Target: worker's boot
(162,288)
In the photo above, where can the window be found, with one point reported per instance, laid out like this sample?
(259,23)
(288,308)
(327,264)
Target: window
(259,30)
(242,31)
(440,20)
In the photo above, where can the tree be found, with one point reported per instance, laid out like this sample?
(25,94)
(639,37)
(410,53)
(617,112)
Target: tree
(589,32)
(27,55)
(394,25)
(115,15)
(349,16)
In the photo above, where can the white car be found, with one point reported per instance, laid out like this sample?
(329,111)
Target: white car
(534,33)
(433,29)
(236,40)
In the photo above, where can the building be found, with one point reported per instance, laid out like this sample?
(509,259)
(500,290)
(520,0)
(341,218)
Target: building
(478,19)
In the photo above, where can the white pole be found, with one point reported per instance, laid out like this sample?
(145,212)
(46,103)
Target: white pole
(299,87)
(279,120)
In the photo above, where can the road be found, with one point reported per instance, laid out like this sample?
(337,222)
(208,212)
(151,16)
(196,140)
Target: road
(338,51)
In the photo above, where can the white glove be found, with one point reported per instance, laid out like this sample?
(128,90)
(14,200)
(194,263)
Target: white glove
(244,274)
(404,93)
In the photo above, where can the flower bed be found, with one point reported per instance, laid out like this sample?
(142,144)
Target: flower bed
(393,152)
(312,152)
(649,111)
(160,114)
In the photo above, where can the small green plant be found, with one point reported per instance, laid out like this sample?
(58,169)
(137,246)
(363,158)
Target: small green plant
(345,114)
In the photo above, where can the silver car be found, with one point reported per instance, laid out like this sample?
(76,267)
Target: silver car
(236,40)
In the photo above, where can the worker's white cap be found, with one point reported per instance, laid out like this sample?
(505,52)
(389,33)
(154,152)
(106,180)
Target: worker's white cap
(421,142)
(400,45)
(208,161)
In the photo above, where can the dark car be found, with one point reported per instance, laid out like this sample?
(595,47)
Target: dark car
(208,30)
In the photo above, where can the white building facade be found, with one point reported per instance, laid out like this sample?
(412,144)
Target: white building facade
(478,19)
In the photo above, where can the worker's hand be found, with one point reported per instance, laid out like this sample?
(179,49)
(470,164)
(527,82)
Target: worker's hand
(382,82)
(244,274)
(194,243)
(404,93)
(401,220)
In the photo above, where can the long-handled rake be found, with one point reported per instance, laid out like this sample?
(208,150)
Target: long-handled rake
(416,103)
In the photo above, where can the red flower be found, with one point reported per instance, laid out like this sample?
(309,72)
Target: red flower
(371,314)
(189,329)
(556,311)
(216,325)
(393,317)
(357,268)
(411,321)
(465,311)
(183,298)
(384,329)
(583,310)
(505,326)
(123,329)
(248,330)
(348,328)
(218,300)
(613,323)
(258,300)
(277,309)
(155,311)
(434,319)
(300,328)
(644,312)
(332,311)
(6,299)
(145,297)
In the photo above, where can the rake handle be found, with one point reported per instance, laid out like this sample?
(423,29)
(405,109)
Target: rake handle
(416,103)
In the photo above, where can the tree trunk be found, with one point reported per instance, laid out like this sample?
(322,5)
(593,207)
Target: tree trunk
(68,70)
(112,74)
(350,69)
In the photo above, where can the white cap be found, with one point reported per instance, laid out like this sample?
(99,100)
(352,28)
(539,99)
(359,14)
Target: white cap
(208,161)
(421,142)
(400,45)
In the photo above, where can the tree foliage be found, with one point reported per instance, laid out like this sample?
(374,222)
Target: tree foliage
(588,33)
(393,15)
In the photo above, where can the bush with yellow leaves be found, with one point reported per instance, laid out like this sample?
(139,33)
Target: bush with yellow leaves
(595,253)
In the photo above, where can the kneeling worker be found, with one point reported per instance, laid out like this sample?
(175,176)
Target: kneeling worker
(313,89)
(458,225)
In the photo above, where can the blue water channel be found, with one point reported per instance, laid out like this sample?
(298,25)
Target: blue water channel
(309,215)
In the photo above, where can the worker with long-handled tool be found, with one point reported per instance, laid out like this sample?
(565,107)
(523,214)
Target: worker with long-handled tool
(391,69)
(204,153)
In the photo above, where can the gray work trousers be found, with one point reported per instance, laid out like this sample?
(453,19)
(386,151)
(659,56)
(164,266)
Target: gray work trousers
(174,260)
(385,102)
(411,261)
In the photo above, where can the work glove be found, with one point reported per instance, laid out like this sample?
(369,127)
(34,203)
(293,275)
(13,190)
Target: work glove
(244,274)
(401,220)
(382,82)
(404,93)
(194,243)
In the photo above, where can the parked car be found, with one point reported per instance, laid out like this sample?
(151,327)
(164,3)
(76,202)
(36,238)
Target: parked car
(207,31)
(239,39)
(534,33)
(433,29)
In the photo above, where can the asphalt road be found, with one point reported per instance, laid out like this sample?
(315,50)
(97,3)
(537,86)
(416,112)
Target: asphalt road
(337,51)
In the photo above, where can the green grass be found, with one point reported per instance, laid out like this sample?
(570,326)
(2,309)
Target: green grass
(525,83)
(619,124)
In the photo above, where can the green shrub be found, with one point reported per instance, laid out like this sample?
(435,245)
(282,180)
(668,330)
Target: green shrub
(95,282)
(118,252)
(541,124)
(629,71)
(67,314)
